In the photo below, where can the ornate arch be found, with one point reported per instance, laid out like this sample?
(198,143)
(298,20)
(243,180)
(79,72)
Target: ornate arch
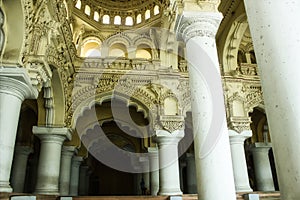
(118,38)
(233,41)
(141,100)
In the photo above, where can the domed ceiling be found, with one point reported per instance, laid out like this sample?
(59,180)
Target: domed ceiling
(127,5)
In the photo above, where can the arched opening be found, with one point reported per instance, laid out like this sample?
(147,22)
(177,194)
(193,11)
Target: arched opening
(118,50)
(156,10)
(96,16)
(143,51)
(138,18)
(87,10)
(78,4)
(128,21)
(114,141)
(147,14)
(117,20)
(106,19)
(91,48)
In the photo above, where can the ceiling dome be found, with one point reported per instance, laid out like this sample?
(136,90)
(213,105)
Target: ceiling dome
(126,5)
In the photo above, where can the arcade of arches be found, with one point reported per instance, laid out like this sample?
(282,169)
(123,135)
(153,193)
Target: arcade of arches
(156,97)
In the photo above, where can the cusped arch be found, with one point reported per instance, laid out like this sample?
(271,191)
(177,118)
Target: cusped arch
(89,102)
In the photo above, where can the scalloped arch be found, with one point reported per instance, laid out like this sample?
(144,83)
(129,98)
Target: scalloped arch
(88,103)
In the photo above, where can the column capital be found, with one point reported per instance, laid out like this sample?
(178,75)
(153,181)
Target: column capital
(76,160)
(239,124)
(239,138)
(68,150)
(15,81)
(170,123)
(153,152)
(192,24)
(50,134)
(24,150)
(165,137)
(261,147)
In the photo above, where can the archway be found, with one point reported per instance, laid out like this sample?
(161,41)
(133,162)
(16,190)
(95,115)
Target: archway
(115,144)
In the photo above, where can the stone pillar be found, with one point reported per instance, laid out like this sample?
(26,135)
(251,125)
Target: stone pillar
(239,163)
(19,168)
(169,183)
(191,174)
(76,162)
(15,86)
(146,176)
(84,180)
(65,169)
(154,170)
(215,180)
(275,31)
(50,157)
(262,167)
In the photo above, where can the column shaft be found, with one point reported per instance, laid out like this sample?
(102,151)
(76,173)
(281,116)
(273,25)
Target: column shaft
(19,168)
(50,157)
(154,170)
(275,31)
(169,183)
(74,183)
(15,86)
(191,174)
(65,169)
(239,163)
(262,167)
(212,149)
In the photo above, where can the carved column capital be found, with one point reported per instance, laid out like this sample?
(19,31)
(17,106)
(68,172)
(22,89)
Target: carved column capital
(170,123)
(239,124)
(197,24)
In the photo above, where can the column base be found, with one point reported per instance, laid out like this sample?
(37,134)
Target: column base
(170,192)
(5,187)
(243,189)
(47,192)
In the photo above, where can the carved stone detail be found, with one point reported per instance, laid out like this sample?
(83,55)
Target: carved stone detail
(202,24)
(239,124)
(170,123)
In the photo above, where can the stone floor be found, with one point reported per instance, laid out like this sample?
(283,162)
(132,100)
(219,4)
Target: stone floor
(11,196)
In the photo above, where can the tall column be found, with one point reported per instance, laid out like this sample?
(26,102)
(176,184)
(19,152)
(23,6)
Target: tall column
(76,162)
(15,86)
(19,167)
(50,157)
(191,174)
(262,167)
(169,183)
(154,170)
(84,180)
(212,150)
(275,31)
(146,176)
(65,169)
(239,163)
